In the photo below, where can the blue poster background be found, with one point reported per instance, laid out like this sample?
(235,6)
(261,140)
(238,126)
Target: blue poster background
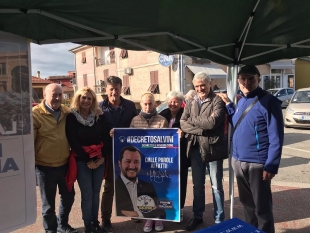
(164,175)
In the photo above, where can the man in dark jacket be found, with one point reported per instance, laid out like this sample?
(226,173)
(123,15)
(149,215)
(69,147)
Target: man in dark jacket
(257,147)
(203,123)
(118,113)
(135,197)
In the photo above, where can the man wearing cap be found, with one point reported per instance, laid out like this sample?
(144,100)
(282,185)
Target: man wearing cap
(257,147)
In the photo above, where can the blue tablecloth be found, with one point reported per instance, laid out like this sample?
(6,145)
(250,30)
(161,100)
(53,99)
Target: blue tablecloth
(233,225)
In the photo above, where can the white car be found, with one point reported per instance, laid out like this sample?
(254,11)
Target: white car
(298,110)
(283,94)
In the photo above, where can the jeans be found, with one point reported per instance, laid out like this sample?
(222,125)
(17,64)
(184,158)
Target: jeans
(90,181)
(48,180)
(108,191)
(198,176)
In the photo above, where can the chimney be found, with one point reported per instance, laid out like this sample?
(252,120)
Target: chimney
(38,74)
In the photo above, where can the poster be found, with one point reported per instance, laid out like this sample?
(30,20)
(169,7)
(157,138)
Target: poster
(146,171)
(17,176)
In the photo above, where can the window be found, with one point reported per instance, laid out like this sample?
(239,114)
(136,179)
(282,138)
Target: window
(112,55)
(290,91)
(124,54)
(276,71)
(85,80)
(2,68)
(83,57)
(282,93)
(126,89)
(105,75)
(154,88)
(39,92)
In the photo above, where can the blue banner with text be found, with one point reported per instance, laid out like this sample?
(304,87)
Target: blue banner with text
(146,171)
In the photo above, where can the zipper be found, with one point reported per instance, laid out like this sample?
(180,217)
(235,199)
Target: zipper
(256,136)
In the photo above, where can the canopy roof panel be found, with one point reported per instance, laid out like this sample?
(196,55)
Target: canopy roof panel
(239,31)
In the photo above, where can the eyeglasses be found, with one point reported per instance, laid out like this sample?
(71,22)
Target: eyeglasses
(249,78)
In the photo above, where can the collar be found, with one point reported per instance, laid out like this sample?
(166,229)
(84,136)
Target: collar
(253,93)
(51,109)
(126,181)
(107,103)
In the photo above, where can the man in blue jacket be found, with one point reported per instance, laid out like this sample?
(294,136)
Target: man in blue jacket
(257,147)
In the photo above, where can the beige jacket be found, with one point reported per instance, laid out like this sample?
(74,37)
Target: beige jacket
(156,121)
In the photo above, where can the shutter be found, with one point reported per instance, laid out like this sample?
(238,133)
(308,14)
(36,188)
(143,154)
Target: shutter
(85,80)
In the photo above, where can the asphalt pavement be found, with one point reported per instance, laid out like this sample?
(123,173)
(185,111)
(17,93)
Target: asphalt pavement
(291,191)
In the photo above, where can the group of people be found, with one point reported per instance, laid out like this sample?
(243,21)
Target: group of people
(76,144)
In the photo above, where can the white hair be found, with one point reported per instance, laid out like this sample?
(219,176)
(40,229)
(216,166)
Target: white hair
(173,94)
(202,76)
(190,94)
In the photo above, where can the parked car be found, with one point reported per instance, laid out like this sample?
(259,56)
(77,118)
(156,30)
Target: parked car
(298,111)
(162,106)
(283,94)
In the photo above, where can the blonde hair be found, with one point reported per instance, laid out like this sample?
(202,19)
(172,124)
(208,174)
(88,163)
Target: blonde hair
(149,95)
(75,104)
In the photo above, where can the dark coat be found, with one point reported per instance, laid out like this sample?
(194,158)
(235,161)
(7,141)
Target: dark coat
(128,111)
(183,141)
(205,126)
(123,200)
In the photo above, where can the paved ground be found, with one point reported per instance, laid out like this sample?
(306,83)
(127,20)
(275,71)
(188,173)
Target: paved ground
(291,189)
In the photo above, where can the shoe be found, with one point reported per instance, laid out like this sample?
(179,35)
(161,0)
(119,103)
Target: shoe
(66,229)
(96,227)
(135,220)
(89,229)
(159,226)
(193,223)
(148,226)
(107,226)
(181,215)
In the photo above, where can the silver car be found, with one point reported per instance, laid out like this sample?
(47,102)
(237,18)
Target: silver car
(283,94)
(298,110)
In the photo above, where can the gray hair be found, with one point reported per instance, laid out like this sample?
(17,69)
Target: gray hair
(113,80)
(173,94)
(202,76)
(190,94)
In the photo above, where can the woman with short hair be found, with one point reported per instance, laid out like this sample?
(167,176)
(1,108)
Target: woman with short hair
(173,115)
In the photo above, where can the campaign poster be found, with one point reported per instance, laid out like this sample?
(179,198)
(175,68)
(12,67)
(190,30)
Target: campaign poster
(17,176)
(146,171)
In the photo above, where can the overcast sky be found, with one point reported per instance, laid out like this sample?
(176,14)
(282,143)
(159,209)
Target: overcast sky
(53,59)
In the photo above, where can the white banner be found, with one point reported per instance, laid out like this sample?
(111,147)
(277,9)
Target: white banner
(17,165)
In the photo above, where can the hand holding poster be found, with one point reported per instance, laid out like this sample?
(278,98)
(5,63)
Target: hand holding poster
(146,171)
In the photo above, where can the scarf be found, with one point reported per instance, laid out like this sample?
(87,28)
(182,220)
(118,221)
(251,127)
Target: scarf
(148,116)
(88,122)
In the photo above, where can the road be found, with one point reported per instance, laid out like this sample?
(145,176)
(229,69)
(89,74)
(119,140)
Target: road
(295,163)
(291,189)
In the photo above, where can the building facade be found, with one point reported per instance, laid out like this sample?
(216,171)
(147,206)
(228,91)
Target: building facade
(142,71)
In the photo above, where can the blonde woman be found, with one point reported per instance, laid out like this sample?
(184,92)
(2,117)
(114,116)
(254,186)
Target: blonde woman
(86,132)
